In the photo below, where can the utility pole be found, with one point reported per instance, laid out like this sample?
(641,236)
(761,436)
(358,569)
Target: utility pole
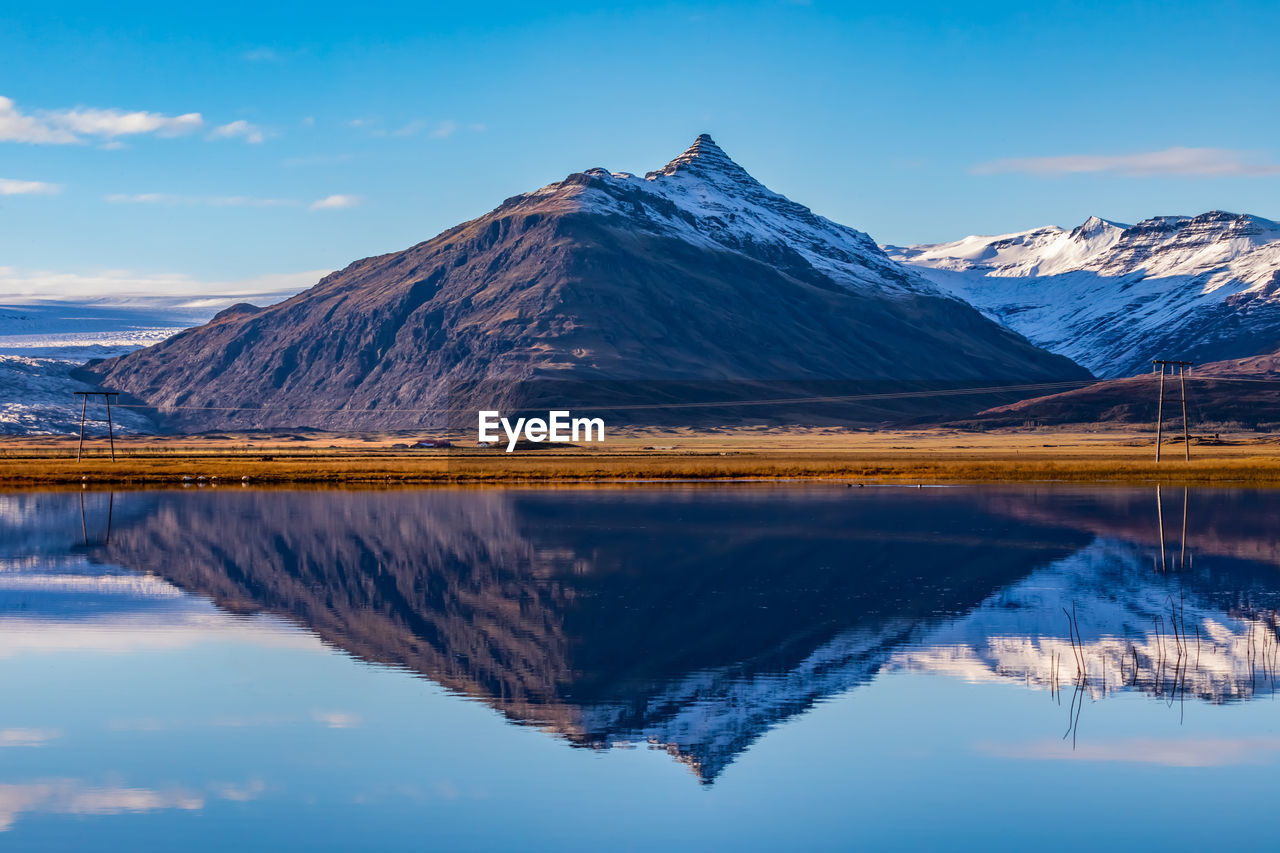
(1181,367)
(84,405)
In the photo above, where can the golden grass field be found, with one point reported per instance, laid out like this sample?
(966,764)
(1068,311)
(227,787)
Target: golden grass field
(925,456)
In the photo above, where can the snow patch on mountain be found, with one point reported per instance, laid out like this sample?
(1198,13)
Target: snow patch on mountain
(705,198)
(43,341)
(1113,296)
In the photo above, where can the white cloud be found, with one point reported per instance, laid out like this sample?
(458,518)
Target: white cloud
(411,129)
(122,286)
(1185,162)
(201,200)
(439,130)
(17,127)
(336,719)
(63,127)
(112,123)
(335,202)
(251,132)
(1167,752)
(12,187)
(27,737)
(444,129)
(70,796)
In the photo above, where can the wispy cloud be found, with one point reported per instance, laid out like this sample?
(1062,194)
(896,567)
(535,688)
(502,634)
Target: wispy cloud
(27,737)
(9,186)
(444,129)
(251,132)
(1166,752)
(335,202)
(80,124)
(1184,162)
(262,54)
(336,719)
(201,200)
(239,793)
(411,129)
(73,797)
(316,160)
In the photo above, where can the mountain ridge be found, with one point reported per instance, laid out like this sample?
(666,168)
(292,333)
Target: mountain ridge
(1113,296)
(694,272)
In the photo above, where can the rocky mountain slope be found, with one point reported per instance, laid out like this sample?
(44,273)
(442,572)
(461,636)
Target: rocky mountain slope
(1112,296)
(1241,392)
(692,273)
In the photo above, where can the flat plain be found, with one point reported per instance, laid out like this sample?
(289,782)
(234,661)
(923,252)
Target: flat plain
(854,456)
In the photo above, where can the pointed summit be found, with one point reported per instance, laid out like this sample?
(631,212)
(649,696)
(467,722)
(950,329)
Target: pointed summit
(702,156)
(1096,226)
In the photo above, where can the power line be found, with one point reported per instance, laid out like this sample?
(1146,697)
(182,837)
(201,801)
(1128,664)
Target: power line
(893,395)
(723,403)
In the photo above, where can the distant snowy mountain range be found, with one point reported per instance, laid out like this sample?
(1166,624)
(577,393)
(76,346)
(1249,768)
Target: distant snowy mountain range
(42,341)
(1112,296)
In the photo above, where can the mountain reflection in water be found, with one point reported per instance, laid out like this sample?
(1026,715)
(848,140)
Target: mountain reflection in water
(695,619)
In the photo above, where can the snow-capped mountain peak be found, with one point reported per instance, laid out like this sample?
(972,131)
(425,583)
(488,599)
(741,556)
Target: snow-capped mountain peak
(1113,296)
(705,197)
(1040,251)
(1095,227)
(704,157)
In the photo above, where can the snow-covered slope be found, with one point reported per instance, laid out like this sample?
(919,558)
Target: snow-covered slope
(1112,297)
(43,341)
(704,197)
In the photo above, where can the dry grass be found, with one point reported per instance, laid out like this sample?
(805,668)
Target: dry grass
(912,456)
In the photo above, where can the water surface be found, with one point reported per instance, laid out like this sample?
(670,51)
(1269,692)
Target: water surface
(680,667)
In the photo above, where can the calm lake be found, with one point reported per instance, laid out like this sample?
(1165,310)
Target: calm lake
(701,667)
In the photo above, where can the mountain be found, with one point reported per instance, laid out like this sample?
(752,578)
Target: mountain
(1112,297)
(1242,392)
(693,273)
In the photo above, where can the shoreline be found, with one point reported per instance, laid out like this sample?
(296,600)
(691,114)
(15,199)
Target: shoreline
(761,455)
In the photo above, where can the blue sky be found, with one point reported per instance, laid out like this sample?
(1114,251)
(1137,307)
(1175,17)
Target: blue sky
(190,145)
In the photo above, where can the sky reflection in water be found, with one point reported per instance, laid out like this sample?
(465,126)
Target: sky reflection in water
(758,666)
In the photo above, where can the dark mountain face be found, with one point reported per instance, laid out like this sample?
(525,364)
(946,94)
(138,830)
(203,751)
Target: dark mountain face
(695,272)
